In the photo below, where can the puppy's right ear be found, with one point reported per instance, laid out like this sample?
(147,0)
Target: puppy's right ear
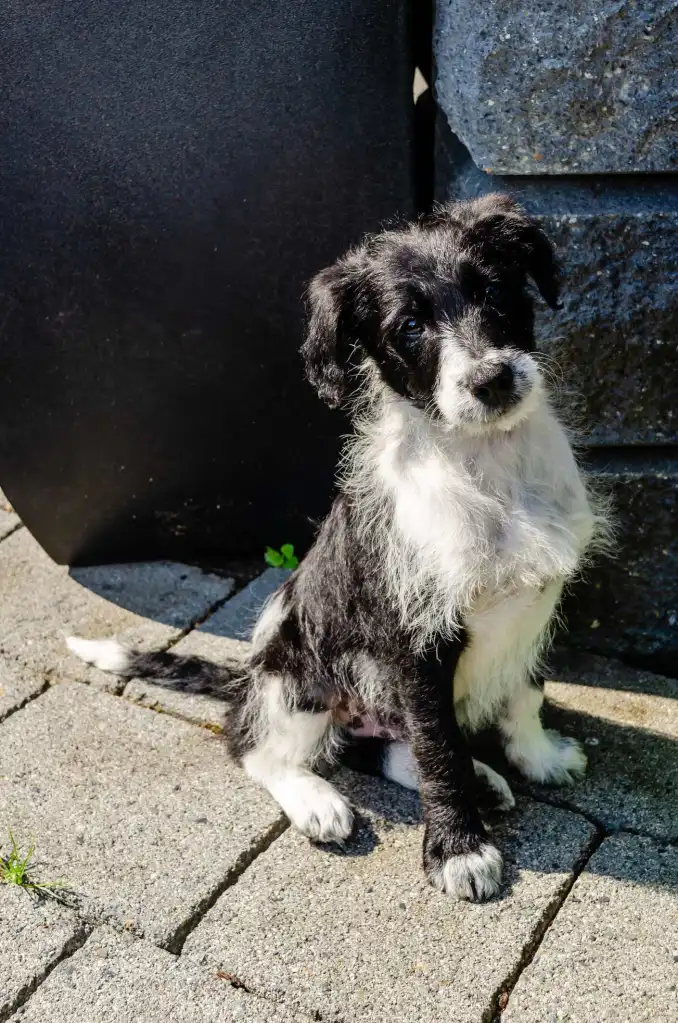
(331,348)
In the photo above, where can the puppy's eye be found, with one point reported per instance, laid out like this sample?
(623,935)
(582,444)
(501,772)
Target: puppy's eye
(412,328)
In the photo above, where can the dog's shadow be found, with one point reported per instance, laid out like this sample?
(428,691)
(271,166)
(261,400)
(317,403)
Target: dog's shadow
(382,806)
(630,790)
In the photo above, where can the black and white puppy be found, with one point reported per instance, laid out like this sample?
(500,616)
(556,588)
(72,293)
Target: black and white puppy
(422,610)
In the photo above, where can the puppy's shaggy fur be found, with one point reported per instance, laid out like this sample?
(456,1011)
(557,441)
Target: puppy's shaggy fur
(422,610)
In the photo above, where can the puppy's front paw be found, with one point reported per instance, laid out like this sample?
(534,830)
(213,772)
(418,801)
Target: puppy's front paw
(318,810)
(474,875)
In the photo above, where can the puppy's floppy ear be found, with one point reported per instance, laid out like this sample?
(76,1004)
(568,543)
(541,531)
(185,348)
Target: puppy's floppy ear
(539,259)
(497,224)
(330,348)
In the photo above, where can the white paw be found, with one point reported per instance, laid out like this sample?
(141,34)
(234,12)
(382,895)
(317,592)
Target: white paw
(316,809)
(106,654)
(474,876)
(548,758)
(497,783)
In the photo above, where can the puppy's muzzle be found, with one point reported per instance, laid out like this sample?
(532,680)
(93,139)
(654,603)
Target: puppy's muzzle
(495,387)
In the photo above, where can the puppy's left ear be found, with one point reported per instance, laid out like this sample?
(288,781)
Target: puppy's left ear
(497,224)
(331,347)
(539,259)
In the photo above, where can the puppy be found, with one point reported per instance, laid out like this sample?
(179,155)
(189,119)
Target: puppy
(422,610)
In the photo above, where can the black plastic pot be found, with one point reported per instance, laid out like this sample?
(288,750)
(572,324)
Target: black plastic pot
(172,175)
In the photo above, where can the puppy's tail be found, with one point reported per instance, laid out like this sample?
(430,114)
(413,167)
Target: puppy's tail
(173,671)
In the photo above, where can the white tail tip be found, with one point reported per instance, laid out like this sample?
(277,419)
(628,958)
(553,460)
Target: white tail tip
(106,654)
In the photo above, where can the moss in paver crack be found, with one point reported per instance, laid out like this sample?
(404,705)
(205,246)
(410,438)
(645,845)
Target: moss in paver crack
(14,870)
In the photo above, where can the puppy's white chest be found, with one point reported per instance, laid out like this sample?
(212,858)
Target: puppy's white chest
(538,539)
(489,530)
(475,522)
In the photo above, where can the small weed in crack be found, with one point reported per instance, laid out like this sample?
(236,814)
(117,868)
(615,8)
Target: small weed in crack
(15,870)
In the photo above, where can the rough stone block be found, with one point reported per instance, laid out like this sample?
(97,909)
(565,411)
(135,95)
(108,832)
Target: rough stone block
(611,953)
(142,815)
(628,723)
(614,338)
(115,979)
(560,88)
(34,936)
(361,935)
(221,638)
(614,346)
(146,604)
(628,605)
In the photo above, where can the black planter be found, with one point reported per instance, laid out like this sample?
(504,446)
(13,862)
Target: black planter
(173,173)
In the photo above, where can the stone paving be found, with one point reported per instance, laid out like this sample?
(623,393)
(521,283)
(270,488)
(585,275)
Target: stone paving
(190,899)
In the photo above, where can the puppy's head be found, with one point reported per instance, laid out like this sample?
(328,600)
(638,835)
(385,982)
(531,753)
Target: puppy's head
(442,311)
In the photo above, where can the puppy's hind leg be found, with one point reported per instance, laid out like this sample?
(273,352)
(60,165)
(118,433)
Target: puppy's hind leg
(540,754)
(286,743)
(396,761)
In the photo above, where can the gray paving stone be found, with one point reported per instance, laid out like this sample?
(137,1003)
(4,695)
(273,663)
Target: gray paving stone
(612,951)
(221,638)
(8,519)
(33,937)
(628,721)
(143,815)
(236,619)
(8,523)
(145,604)
(196,707)
(204,710)
(17,684)
(115,979)
(362,936)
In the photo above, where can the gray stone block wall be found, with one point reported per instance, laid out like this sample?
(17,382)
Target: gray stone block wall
(564,87)
(573,108)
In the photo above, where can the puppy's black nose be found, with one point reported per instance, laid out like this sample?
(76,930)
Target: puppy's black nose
(497,390)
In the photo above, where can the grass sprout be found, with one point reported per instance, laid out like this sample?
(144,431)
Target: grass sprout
(15,870)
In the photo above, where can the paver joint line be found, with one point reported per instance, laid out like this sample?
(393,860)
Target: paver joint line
(157,708)
(176,943)
(71,946)
(565,804)
(11,531)
(27,700)
(501,996)
(201,619)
